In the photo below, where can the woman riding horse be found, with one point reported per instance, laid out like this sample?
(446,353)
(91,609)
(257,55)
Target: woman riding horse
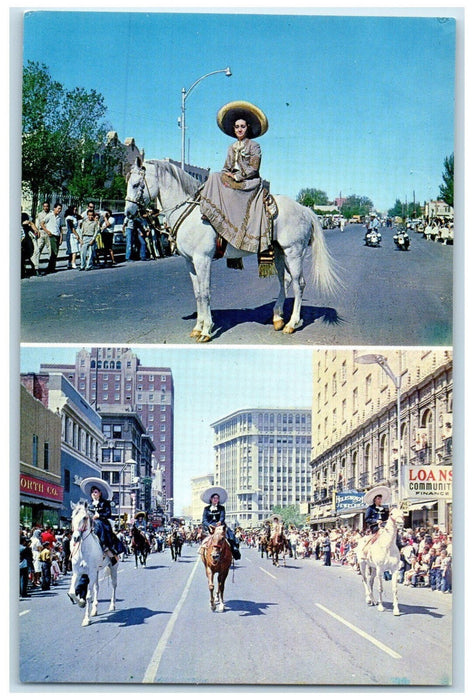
(376,513)
(214,514)
(233,200)
(100,494)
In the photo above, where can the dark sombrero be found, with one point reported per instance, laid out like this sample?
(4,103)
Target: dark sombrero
(255,118)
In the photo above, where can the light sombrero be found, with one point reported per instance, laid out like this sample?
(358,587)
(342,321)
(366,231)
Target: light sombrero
(383,491)
(88,484)
(221,492)
(229,113)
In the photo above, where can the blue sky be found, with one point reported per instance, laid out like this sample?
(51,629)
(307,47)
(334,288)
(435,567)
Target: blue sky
(356,105)
(209,386)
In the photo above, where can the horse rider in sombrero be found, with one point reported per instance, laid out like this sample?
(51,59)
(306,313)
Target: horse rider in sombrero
(214,514)
(234,200)
(100,494)
(376,514)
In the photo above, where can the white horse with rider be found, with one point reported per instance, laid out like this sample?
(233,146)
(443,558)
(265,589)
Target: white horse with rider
(88,559)
(294,229)
(378,552)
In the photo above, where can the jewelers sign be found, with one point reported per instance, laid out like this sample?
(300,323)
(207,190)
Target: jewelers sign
(427,481)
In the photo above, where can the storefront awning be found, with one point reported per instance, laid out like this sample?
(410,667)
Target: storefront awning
(422,504)
(40,502)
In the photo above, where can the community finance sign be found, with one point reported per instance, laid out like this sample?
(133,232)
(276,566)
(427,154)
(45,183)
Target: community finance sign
(431,481)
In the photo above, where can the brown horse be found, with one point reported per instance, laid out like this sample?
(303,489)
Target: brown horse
(140,546)
(216,556)
(277,544)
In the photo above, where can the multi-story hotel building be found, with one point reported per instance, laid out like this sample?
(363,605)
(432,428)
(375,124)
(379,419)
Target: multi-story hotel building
(114,379)
(262,459)
(357,417)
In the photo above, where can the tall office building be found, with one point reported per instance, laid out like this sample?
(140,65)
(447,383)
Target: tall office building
(113,378)
(374,419)
(262,459)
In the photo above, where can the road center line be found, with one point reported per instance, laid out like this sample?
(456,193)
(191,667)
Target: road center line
(363,634)
(150,673)
(266,572)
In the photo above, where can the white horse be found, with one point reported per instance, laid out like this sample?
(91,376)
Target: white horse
(380,556)
(87,560)
(294,227)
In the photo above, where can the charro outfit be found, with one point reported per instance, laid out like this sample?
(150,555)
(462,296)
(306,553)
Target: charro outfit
(374,515)
(235,206)
(102,526)
(215,515)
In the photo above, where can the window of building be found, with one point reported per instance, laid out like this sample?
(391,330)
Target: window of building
(34,458)
(368,385)
(67,481)
(118,365)
(46,457)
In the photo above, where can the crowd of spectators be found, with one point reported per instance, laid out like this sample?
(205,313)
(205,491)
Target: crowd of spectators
(45,555)
(425,555)
(89,238)
(437,229)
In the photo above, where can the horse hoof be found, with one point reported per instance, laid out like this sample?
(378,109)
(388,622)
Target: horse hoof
(380,608)
(396,613)
(279,324)
(195,334)
(204,339)
(288,330)
(85,623)
(81,602)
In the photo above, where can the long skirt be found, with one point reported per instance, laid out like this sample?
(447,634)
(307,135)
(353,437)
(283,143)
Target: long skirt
(237,211)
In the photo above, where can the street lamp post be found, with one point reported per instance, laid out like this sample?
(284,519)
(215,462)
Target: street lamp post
(184,95)
(380,360)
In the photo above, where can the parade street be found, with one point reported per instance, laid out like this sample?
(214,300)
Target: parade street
(303,624)
(390,297)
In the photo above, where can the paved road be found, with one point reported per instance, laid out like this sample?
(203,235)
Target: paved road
(304,624)
(391,297)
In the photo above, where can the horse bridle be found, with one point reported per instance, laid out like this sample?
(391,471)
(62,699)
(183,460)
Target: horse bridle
(141,202)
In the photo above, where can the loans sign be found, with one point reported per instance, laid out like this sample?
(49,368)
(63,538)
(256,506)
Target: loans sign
(428,481)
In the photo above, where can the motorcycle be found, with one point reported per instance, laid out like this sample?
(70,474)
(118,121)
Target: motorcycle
(402,240)
(372,237)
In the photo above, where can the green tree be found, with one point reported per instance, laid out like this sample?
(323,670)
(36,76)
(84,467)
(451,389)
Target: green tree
(310,197)
(63,137)
(446,189)
(397,209)
(290,515)
(356,205)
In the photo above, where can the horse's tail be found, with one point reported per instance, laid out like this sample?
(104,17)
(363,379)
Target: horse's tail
(324,269)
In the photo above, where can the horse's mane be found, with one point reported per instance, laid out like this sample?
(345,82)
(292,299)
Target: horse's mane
(188,183)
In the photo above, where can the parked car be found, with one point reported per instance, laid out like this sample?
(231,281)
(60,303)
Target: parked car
(119,236)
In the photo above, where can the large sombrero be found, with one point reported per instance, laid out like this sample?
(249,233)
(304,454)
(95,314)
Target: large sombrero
(255,118)
(221,492)
(383,491)
(140,514)
(278,517)
(88,484)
